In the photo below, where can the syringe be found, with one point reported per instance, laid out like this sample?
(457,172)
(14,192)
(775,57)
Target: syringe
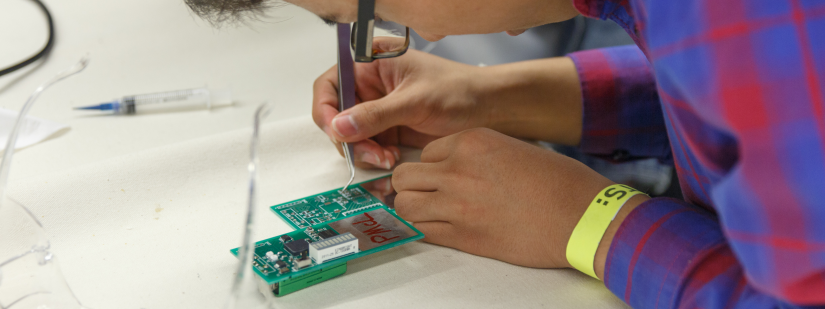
(164,101)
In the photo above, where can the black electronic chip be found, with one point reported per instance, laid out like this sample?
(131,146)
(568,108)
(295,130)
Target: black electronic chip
(285,238)
(296,247)
(326,234)
(281,267)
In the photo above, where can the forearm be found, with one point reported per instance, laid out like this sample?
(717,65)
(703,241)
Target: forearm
(539,99)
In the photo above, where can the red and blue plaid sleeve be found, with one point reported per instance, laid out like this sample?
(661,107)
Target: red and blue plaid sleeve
(618,11)
(671,254)
(741,85)
(622,114)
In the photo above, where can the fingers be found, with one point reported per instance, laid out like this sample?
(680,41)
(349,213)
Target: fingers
(417,206)
(415,177)
(438,150)
(439,233)
(396,153)
(369,154)
(370,118)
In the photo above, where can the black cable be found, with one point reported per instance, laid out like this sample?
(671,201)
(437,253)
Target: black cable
(43,51)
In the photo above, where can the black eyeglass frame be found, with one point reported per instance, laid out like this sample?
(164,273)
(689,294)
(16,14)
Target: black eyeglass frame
(362,35)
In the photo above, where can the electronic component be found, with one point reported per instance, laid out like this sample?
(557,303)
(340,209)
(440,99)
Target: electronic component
(272,257)
(281,267)
(303,262)
(285,238)
(296,247)
(333,248)
(327,234)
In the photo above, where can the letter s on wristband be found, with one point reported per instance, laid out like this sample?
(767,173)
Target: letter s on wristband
(583,243)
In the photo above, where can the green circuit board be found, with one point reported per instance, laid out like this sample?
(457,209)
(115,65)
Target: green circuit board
(335,204)
(358,212)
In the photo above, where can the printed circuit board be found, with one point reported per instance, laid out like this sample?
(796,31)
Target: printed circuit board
(332,228)
(333,205)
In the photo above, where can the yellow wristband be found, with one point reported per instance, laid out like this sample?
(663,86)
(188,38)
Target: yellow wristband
(581,248)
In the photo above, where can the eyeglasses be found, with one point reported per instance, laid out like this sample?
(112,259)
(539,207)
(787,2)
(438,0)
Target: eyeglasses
(384,46)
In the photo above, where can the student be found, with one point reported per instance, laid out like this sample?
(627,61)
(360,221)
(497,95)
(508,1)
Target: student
(730,92)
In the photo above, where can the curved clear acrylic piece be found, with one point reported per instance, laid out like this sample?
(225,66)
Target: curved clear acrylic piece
(29,274)
(245,286)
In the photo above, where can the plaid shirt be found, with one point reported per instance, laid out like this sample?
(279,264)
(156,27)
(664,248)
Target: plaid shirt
(730,92)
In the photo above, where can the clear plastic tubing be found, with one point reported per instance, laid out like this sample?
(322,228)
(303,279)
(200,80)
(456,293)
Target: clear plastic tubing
(199,98)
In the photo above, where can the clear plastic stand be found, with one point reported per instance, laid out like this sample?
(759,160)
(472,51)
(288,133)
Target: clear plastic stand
(29,274)
(246,288)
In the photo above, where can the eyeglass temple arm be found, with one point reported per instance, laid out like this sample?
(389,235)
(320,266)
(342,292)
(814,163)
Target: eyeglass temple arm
(398,53)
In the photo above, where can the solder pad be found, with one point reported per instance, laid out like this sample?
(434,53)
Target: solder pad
(369,218)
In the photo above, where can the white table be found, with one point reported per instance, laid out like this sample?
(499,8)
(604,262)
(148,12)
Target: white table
(168,185)
(149,46)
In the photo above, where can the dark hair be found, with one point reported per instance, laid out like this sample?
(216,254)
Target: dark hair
(221,12)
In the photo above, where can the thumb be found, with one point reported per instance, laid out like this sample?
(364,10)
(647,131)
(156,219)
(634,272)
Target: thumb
(368,119)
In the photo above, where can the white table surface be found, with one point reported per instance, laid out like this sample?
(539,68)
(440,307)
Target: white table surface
(149,46)
(142,46)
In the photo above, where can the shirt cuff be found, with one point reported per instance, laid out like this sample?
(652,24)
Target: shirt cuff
(655,249)
(622,114)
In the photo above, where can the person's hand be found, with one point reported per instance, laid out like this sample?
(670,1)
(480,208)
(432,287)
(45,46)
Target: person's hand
(410,101)
(417,98)
(488,194)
